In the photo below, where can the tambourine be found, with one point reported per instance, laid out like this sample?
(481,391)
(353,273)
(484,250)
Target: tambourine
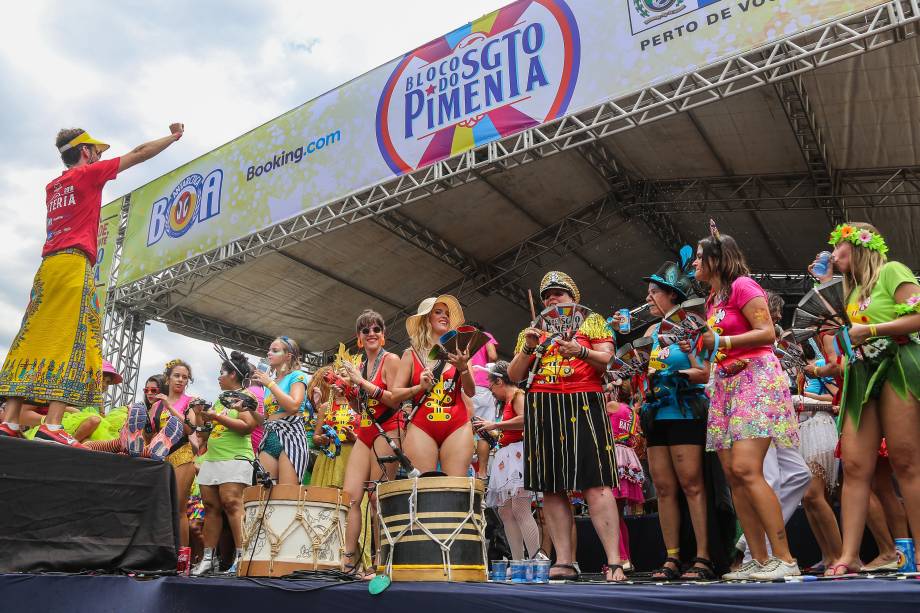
(230,397)
(562,320)
(334,448)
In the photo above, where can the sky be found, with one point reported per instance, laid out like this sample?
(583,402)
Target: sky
(124,70)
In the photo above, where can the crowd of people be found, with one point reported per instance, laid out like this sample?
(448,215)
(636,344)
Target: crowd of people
(726,430)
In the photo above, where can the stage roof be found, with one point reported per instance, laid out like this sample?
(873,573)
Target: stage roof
(775,166)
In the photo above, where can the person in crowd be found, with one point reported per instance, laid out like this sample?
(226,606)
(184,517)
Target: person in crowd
(784,468)
(818,435)
(750,405)
(880,391)
(285,449)
(483,401)
(439,431)
(378,408)
(506,491)
(56,357)
(674,423)
(226,464)
(630,476)
(568,444)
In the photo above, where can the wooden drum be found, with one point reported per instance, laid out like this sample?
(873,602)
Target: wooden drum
(290,528)
(432,529)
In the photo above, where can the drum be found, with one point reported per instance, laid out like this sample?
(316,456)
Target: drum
(432,529)
(291,527)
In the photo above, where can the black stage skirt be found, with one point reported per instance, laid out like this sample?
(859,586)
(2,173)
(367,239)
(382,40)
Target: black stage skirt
(568,443)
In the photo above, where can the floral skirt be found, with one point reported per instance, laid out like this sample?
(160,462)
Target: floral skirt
(631,476)
(754,403)
(57,354)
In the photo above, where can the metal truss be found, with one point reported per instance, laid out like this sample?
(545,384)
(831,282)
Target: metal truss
(810,138)
(622,185)
(849,36)
(413,232)
(213,330)
(857,189)
(786,284)
(123,344)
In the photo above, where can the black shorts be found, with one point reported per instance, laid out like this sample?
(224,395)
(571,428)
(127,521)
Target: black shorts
(668,432)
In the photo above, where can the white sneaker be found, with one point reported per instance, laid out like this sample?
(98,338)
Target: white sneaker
(777,569)
(744,571)
(208,564)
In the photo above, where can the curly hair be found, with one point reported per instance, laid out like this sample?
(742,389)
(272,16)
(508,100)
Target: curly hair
(171,366)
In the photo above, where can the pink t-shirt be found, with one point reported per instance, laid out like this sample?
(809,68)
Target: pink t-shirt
(624,425)
(259,392)
(727,319)
(481,358)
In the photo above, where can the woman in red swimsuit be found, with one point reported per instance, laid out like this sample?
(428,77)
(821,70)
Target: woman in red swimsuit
(376,403)
(439,429)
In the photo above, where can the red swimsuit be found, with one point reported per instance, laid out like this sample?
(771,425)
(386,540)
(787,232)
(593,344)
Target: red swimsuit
(367,432)
(442,411)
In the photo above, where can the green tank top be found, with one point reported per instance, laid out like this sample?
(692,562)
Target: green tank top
(225,444)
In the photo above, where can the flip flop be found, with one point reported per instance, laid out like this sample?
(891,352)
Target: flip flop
(566,577)
(832,570)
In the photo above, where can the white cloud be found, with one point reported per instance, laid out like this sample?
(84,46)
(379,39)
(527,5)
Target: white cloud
(125,70)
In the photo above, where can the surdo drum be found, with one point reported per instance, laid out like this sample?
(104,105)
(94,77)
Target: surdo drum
(290,528)
(432,529)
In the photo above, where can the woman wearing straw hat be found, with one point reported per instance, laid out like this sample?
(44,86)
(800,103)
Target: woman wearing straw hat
(439,428)
(568,444)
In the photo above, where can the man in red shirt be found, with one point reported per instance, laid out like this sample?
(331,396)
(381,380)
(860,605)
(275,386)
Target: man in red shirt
(56,358)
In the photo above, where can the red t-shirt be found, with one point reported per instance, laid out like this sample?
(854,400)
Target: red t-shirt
(74,200)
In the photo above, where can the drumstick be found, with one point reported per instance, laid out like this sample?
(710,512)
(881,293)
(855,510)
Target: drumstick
(533,312)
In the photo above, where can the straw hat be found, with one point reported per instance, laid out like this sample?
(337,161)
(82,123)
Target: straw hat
(453,305)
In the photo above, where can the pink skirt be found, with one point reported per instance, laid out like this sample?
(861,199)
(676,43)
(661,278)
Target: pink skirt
(631,476)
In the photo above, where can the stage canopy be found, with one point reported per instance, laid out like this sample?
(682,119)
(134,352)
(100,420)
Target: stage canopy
(629,129)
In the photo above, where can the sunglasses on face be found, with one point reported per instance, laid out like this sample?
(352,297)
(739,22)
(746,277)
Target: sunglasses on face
(374,329)
(151,390)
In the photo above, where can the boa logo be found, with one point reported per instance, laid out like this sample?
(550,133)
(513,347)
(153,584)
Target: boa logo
(195,198)
(505,72)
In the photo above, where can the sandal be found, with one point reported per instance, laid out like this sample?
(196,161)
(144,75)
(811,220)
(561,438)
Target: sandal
(610,569)
(702,569)
(666,572)
(564,577)
(848,570)
(352,569)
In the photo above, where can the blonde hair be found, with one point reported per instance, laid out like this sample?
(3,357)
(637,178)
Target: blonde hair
(318,381)
(865,266)
(421,338)
(293,363)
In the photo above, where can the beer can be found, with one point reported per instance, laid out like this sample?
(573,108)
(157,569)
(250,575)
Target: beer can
(625,321)
(905,551)
(823,265)
(184,562)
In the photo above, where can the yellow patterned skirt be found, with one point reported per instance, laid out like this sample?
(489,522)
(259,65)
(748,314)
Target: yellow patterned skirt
(57,354)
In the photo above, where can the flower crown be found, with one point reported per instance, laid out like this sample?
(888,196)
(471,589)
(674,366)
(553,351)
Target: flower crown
(173,363)
(859,237)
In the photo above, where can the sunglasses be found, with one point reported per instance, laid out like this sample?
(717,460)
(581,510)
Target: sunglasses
(374,329)
(151,390)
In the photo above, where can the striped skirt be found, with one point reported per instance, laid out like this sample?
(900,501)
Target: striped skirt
(292,432)
(568,444)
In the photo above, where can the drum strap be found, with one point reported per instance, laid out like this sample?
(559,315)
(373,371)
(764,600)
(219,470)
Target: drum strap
(435,374)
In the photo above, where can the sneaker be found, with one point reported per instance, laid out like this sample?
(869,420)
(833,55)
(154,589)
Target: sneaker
(777,569)
(166,438)
(5,430)
(744,571)
(207,565)
(59,436)
(132,433)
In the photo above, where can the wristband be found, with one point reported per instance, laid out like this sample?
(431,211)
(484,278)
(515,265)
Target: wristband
(873,331)
(583,354)
(728,343)
(528,350)
(378,393)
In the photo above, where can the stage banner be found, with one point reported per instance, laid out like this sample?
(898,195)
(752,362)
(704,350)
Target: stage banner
(522,65)
(109,217)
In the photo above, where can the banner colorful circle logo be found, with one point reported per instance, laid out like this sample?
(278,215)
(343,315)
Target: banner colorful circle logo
(505,72)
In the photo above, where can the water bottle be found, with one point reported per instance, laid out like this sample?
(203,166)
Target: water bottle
(822,266)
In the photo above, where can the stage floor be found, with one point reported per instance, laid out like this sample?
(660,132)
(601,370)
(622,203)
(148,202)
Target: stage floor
(118,594)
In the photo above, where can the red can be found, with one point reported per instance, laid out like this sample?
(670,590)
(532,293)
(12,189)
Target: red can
(184,563)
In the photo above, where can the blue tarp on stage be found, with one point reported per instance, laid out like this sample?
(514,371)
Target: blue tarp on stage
(104,594)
